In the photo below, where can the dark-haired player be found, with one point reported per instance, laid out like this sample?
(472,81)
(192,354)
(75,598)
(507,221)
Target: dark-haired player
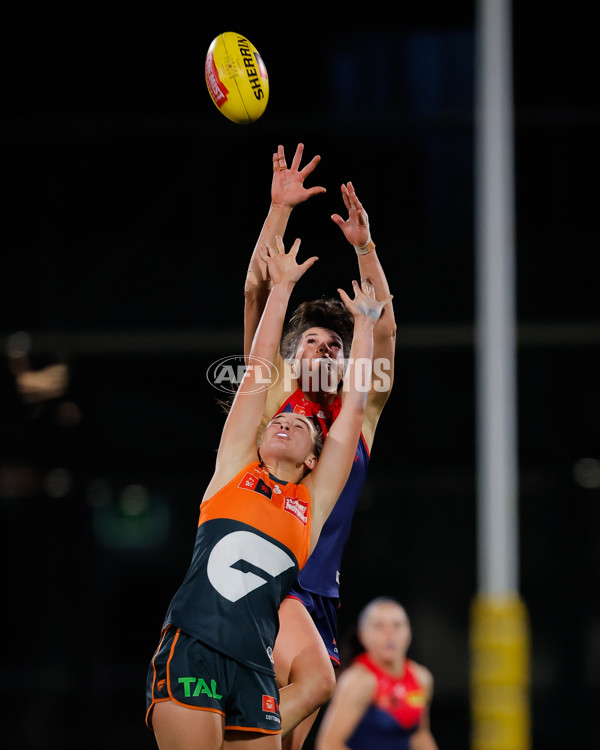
(311,361)
(211,683)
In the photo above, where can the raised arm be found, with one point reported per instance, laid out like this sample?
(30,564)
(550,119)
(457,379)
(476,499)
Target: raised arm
(327,480)
(287,191)
(238,440)
(357,231)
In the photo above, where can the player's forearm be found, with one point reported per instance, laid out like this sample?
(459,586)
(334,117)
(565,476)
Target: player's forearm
(275,223)
(268,333)
(332,736)
(357,379)
(255,300)
(257,284)
(370,268)
(422,739)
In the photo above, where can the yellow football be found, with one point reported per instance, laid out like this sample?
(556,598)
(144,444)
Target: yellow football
(236,77)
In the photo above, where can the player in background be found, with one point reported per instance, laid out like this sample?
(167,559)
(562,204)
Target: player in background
(382,699)
(211,683)
(306,648)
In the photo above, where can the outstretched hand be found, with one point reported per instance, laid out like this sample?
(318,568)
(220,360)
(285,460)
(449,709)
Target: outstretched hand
(287,188)
(283,267)
(364,303)
(356,226)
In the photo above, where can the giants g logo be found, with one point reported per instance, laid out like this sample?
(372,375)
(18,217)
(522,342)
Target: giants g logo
(238,546)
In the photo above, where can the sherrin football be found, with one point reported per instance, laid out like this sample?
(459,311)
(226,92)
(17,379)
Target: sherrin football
(236,77)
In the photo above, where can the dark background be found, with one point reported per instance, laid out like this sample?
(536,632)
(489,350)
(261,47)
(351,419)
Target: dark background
(131,206)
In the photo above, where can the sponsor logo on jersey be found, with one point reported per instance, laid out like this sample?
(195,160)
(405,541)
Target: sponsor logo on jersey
(249,481)
(297,508)
(200,687)
(270,704)
(263,488)
(416,698)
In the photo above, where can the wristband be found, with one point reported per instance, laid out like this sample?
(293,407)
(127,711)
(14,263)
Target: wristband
(368,248)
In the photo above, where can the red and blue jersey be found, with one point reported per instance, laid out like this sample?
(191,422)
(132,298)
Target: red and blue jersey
(395,713)
(321,574)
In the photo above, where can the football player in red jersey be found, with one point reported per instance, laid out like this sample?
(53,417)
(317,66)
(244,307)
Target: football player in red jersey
(211,683)
(382,700)
(316,340)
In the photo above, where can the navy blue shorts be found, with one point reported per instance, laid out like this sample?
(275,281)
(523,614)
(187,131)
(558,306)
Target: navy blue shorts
(192,674)
(323,610)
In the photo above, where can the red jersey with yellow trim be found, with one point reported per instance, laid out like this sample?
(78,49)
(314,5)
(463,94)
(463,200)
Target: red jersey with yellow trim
(396,711)
(253,537)
(321,575)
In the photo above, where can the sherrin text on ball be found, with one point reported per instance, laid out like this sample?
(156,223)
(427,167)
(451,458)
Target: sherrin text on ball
(236,77)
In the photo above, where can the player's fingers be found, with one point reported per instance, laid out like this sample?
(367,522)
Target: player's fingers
(279,246)
(267,247)
(298,156)
(279,159)
(311,166)
(368,287)
(354,198)
(295,247)
(344,297)
(345,197)
(308,263)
